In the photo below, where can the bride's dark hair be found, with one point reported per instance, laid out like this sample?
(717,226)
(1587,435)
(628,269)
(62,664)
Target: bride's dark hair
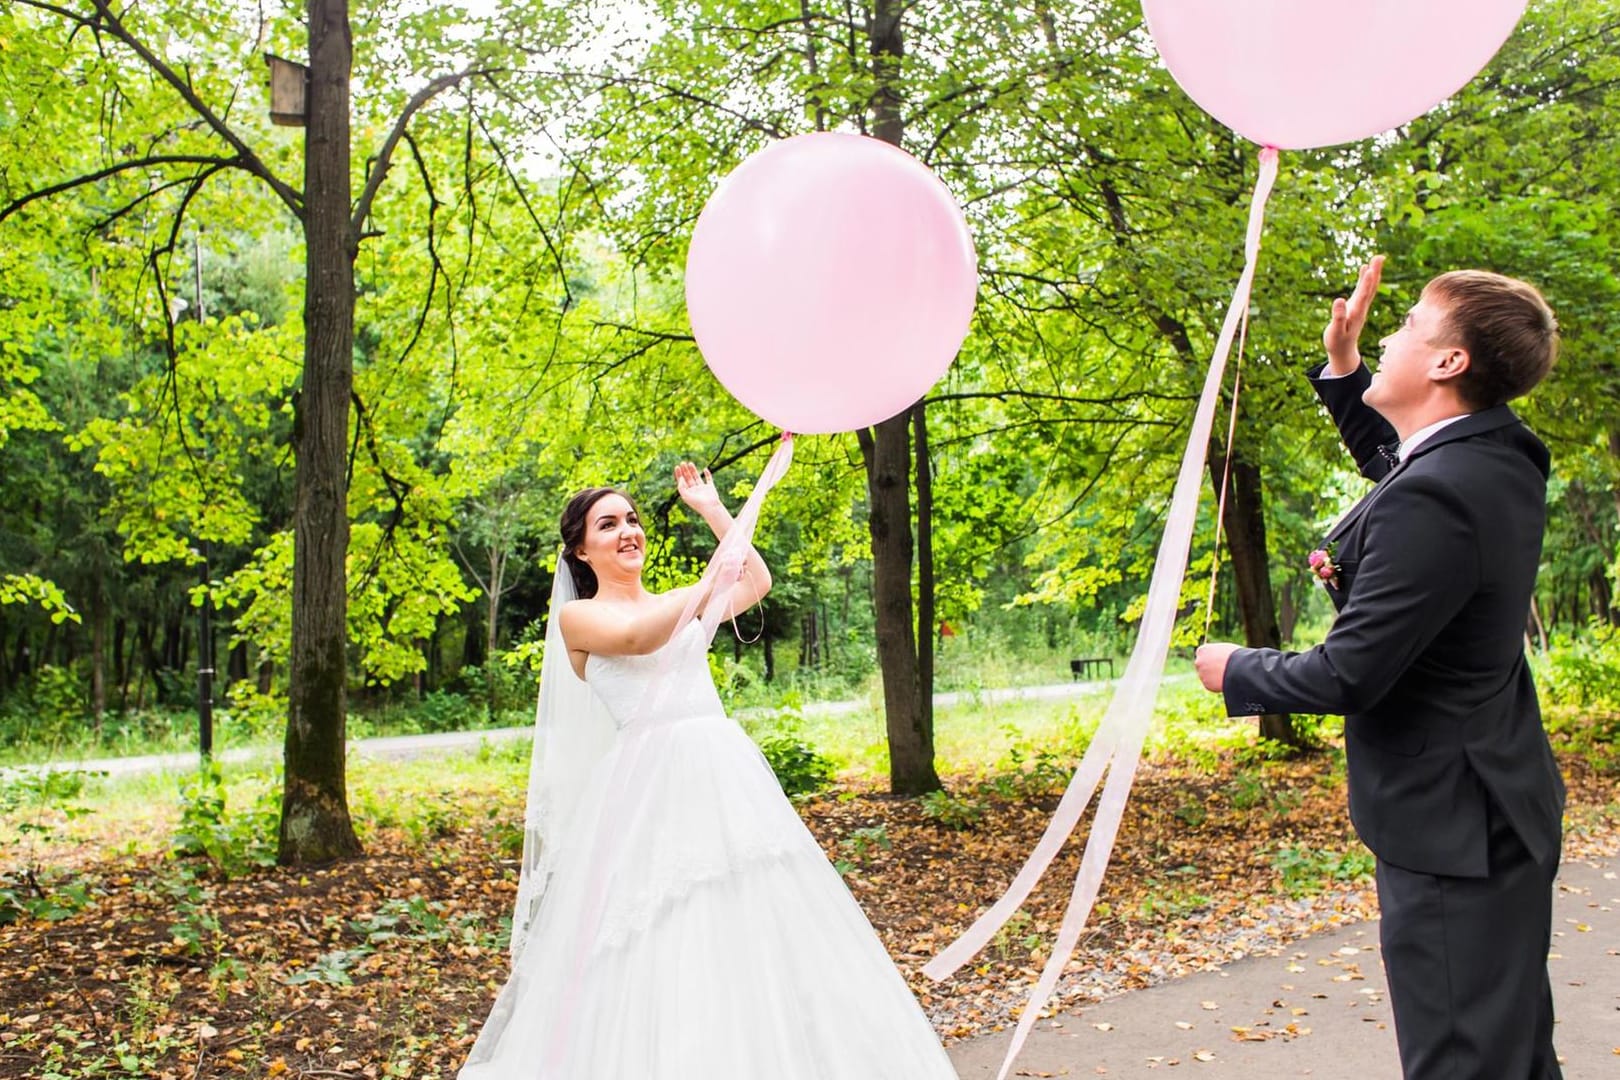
(572,526)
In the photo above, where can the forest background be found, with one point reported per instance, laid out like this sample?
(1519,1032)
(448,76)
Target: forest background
(297,406)
(291,407)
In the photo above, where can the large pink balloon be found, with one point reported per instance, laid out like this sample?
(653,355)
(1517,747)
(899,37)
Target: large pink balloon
(1301,73)
(830,282)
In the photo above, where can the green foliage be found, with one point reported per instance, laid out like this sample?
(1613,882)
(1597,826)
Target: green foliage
(520,332)
(798,768)
(1168,900)
(38,804)
(956,812)
(1017,938)
(1306,870)
(1026,771)
(231,843)
(330,968)
(862,842)
(32,589)
(1584,671)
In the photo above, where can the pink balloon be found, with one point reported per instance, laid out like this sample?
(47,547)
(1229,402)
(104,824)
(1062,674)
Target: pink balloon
(830,282)
(1302,73)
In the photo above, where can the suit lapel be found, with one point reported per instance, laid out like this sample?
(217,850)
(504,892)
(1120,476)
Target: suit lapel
(1344,523)
(1473,424)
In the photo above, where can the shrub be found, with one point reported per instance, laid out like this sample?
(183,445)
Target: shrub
(951,811)
(798,768)
(1306,870)
(231,843)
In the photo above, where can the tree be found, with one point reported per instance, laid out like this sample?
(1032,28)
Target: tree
(190,151)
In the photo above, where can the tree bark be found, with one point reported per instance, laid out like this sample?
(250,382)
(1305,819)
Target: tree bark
(1251,573)
(926,613)
(888,470)
(886,450)
(98,661)
(497,570)
(315,823)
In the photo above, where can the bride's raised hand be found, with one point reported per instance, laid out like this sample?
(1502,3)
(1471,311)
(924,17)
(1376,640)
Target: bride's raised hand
(697,489)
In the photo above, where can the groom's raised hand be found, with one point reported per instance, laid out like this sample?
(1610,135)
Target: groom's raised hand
(1210,662)
(1348,318)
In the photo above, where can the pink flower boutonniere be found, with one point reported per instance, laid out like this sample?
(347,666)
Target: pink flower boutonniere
(1323,566)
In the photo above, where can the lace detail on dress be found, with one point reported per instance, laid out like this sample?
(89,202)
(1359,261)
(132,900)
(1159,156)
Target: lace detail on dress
(625,683)
(627,916)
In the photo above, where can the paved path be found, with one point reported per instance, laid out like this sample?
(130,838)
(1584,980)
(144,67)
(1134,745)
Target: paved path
(1331,989)
(404,747)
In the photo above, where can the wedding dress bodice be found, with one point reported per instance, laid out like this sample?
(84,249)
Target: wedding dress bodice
(625,683)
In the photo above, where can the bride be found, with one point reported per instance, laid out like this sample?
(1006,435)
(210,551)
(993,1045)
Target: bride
(675,920)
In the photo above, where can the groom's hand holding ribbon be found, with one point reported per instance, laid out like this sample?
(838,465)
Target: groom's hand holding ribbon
(1210,663)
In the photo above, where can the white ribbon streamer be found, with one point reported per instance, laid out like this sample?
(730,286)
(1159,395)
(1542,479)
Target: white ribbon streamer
(1117,746)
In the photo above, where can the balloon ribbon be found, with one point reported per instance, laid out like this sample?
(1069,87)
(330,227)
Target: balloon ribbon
(1117,747)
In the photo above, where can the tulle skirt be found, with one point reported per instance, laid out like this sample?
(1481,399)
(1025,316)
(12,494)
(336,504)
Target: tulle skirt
(695,931)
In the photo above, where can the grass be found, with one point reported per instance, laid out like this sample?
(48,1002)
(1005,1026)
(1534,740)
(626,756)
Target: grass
(975,737)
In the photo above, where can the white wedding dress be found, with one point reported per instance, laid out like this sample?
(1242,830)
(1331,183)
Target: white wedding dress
(695,930)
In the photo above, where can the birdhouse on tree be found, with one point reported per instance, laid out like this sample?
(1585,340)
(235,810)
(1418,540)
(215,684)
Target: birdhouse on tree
(287,82)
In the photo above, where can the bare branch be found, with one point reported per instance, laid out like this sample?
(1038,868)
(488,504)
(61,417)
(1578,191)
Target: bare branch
(110,23)
(113,170)
(385,156)
(528,206)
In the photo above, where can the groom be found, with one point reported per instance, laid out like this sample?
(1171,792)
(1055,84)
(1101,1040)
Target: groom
(1452,782)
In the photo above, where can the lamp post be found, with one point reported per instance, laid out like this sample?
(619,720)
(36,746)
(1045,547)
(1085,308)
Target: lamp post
(205,619)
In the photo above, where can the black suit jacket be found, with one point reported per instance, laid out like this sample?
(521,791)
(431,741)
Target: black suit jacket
(1426,657)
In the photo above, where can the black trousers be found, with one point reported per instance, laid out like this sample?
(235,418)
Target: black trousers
(1467,965)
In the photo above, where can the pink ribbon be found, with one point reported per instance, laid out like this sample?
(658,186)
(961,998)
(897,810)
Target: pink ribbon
(1117,747)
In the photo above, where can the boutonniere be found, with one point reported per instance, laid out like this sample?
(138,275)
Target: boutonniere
(1323,566)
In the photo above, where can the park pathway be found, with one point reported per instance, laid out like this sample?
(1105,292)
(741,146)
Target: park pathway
(1320,1009)
(406,747)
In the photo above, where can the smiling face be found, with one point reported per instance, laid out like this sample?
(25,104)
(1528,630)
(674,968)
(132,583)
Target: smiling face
(1419,362)
(614,545)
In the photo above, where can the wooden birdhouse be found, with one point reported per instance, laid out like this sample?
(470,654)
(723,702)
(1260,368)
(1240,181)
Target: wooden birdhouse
(287,81)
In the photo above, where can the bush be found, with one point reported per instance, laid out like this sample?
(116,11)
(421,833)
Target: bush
(231,843)
(444,710)
(496,687)
(1306,871)
(951,811)
(1586,671)
(252,715)
(798,768)
(28,888)
(1026,771)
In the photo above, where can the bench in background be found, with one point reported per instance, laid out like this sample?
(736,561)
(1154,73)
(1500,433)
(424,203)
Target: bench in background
(1091,666)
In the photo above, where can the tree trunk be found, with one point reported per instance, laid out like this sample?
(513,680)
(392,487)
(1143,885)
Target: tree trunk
(888,468)
(98,663)
(497,566)
(886,451)
(925,571)
(122,663)
(315,824)
(497,570)
(1287,611)
(472,638)
(1251,572)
